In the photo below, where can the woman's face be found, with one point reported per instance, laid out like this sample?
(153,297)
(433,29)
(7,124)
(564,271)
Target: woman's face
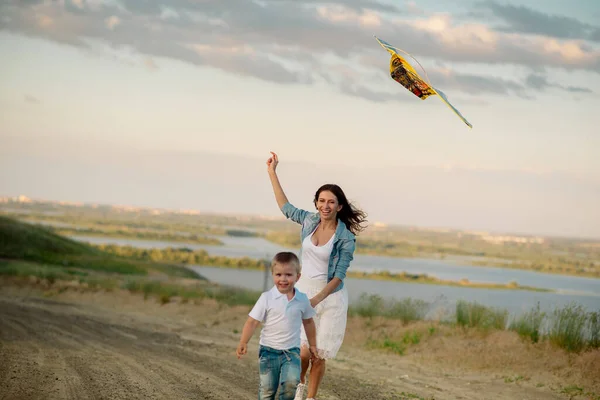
(327,205)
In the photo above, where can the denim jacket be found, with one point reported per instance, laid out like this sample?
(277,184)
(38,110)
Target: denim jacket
(344,242)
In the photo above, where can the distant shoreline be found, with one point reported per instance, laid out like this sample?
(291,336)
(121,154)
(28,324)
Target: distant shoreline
(203,258)
(487,262)
(423,279)
(183,232)
(428,280)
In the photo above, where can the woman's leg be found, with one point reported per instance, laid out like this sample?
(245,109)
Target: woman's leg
(304,363)
(317,370)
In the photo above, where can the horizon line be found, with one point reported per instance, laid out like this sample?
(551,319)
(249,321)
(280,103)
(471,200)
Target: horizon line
(24,199)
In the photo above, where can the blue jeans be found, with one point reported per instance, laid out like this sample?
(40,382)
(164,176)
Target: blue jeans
(279,369)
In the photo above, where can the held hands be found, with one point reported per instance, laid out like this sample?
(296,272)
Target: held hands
(314,354)
(272,163)
(241,349)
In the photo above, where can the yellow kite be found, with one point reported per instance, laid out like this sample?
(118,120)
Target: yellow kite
(403,73)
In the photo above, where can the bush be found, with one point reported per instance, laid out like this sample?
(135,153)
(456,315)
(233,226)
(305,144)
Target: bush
(529,324)
(475,315)
(567,328)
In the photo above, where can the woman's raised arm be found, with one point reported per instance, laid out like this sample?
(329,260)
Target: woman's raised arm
(277,189)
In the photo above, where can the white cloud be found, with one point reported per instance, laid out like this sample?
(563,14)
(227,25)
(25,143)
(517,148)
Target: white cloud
(478,42)
(169,13)
(341,14)
(45,21)
(569,51)
(112,21)
(204,49)
(150,64)
(299,41)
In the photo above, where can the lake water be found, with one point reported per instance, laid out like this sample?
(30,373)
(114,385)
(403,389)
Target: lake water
(585,291)
(442,297)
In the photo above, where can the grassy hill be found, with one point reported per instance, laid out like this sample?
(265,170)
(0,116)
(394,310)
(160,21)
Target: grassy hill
(33,252)
(26,248)
(25,241)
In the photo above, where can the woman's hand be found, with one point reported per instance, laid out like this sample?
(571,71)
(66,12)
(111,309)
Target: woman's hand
(314,353)
(277,189)
(315,301)
(327,290)
(272,163)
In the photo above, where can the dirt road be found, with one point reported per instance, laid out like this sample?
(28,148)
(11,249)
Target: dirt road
(118,346)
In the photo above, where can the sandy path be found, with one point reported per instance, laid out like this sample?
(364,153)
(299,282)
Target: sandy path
(116,346)
(49,352)
(52,350)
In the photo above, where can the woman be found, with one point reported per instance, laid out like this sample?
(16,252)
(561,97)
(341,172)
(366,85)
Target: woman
(328,243)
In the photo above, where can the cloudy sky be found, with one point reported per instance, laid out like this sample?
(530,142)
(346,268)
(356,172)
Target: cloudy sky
(176,103)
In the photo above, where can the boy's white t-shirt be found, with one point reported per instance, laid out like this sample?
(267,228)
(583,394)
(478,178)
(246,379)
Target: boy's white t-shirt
(282,319)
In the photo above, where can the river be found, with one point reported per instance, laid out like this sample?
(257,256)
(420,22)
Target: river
(585,291)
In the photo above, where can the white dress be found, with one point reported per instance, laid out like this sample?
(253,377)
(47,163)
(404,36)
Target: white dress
(332,312)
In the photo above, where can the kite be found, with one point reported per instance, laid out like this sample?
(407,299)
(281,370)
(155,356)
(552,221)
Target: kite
(403,73)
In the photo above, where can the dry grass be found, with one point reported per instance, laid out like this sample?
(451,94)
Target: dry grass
(500,353)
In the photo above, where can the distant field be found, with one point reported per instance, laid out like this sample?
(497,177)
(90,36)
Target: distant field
(567,256)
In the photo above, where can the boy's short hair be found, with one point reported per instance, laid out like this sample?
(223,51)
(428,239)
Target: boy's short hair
(286,258)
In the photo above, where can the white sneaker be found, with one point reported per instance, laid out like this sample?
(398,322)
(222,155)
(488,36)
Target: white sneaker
(300,391)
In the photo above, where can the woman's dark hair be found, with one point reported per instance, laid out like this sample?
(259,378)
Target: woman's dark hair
(349,214)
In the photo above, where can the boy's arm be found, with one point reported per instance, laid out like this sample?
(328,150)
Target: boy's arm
(249,328)
(311,334)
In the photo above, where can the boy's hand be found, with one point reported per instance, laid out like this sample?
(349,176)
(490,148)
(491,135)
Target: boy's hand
(313,352)
(241,349)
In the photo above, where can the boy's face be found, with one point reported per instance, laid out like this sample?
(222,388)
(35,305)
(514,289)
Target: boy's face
(285,277)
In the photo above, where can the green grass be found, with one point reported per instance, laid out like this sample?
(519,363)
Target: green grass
(398,345)
(26,242)
(570,328)
(21,241)
(594,329)
(388,344)
(574,329)
(23,269)
(165,291)
(529,325)
(406,310)
(475,315)
(411,396)
(124,232)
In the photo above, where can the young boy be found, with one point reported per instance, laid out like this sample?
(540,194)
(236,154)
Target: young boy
(281,309)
